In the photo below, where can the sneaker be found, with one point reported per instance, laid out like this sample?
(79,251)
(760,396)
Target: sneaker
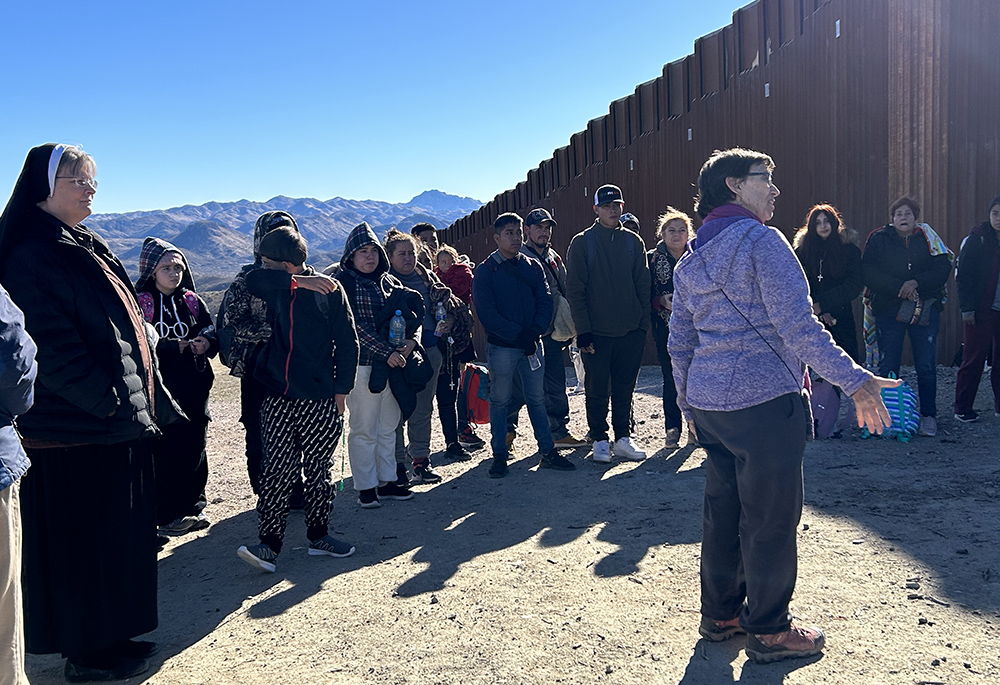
(393,491)
(402,478)
(602,452)
(423,473)
(259,556)
(456,450)
(117,669)
(469,440)
(624,448)
(717,631)
(553,460)
(510,439)
(967,416)
(201,522)
(570,442)
(330,546)
(928,426)
(179,526)
(499,468)
(793,643)
(673,438)
(368,499)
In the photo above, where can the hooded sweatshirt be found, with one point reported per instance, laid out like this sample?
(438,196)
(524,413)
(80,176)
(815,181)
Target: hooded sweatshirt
(720,362)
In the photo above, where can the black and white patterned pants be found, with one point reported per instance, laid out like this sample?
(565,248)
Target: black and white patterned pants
(297,431)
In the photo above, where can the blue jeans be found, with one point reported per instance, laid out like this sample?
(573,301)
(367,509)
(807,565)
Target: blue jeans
(556,400)
(503,363)
(923,340)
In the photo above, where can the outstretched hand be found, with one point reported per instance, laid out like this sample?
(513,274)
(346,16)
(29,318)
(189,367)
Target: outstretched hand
(869,405)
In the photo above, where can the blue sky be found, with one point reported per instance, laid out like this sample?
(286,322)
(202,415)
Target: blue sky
(186,102)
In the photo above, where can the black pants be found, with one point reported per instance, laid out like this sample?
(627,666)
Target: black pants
(611,373)
(671,412)
(181,470)
(252,394)
(452,407)
(297,433)
(753,502)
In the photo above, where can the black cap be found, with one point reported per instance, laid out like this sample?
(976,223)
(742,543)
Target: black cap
(627,217)
(421,227)
(608,193)
(539,216)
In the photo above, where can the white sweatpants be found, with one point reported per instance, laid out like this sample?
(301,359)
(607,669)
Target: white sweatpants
(371,433)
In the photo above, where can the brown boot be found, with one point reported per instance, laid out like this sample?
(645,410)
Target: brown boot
(793,643)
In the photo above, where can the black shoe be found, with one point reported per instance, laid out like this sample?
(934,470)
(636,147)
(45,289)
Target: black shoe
(553,460)
(456,450)
(423,473)
(469,440)
(393,491)
(368,499)
(137,649)
(499,468)
(402,479)
(116,669)
(968,416)
(161,542)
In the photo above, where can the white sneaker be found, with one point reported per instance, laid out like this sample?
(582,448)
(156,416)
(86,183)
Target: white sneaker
(602,452)
(626,450)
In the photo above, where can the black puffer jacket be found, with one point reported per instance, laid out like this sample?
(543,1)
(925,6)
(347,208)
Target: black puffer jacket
(978,268)
(91,386)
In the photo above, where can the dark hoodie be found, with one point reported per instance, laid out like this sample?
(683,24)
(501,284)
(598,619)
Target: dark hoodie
(243,328)
(978,270)
(182,315)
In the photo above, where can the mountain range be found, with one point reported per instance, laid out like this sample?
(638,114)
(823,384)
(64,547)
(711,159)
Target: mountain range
(217,237)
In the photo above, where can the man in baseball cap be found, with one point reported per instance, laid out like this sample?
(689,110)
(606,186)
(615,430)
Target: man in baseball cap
(608,287)
(538,227)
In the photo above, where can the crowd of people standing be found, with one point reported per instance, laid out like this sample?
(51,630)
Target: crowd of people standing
(101,371)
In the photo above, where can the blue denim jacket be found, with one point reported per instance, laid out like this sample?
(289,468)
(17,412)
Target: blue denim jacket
(17,388)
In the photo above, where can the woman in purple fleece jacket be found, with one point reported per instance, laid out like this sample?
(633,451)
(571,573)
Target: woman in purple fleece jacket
(741,332)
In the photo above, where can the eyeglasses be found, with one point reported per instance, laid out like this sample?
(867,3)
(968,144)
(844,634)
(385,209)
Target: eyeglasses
(765,174)
(81,182)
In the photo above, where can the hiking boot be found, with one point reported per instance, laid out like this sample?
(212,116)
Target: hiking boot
(469,440)
(402,478)
(115,669)
(368,499)
(499,468)
(456,450)
(259,556)
(967,416)
(673,438)
(793,643)
(393,491)
(626,450)
(330,546)
(602,452)
(570,442)
(553,460)
(179,526)
(510,439)
(928,426)
(423,473)
(717,631)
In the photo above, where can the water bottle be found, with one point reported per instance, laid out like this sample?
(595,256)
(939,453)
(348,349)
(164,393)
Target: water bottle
(439,315)
(397,329)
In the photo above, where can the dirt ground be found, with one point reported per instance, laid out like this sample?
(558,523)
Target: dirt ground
(591,576)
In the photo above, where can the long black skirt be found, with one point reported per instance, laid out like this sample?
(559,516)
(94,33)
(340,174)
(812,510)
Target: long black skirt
(89,547)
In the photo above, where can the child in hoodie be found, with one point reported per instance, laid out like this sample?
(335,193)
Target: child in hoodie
(308,367)
(187,341)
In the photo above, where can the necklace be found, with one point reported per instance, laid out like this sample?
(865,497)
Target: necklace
(819,278)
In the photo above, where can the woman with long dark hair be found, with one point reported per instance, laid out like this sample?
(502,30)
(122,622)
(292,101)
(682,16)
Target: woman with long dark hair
(832,262)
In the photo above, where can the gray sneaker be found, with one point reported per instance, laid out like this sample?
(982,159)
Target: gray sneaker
(179,526)
(928,426)
(259,556)
(330,546)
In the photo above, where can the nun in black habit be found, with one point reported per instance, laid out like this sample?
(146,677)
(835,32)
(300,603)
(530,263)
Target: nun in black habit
(88,502)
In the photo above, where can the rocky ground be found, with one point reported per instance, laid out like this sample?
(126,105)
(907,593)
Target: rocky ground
(591,576)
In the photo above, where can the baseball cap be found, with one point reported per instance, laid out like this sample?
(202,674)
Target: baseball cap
(627,217)
(538,216)
(608,193)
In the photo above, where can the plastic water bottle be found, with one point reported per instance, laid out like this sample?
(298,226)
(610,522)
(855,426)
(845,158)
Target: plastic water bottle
(439,315)
(397,329)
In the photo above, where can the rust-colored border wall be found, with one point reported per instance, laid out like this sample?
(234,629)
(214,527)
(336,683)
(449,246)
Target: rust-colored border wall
(904,101)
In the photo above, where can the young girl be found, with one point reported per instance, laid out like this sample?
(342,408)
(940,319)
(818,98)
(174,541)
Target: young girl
(187,341)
